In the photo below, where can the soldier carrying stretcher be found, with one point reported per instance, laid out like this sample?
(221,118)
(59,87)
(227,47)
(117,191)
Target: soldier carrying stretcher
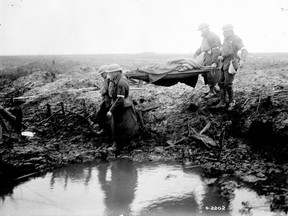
(232,58)
(211,47)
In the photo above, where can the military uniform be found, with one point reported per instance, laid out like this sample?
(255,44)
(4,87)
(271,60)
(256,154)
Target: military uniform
(231,45)
(211,47)
(104,106)
(124,119)
(105,92)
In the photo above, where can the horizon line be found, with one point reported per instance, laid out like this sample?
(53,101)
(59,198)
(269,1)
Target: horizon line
(139,53)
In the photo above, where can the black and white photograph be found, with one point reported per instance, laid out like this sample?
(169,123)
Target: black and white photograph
(143,107)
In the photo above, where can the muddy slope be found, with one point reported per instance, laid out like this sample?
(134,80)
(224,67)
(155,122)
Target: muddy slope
(251,141)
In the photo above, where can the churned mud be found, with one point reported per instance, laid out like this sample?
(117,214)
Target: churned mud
(59,97)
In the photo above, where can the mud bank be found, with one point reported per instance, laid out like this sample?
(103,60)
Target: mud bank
(251,140)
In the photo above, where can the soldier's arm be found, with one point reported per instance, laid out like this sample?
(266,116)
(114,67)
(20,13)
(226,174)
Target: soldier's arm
(121,90)
(215,54)
(104,88)
(240,47)
(215,44)
(243,54)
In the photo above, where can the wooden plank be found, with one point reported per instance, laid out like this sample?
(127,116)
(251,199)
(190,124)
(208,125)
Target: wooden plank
(7,115)
(207,141)
(205,128)
(26,176)
(4,126)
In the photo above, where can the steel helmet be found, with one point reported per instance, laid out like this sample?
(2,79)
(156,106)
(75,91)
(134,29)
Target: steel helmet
(103,69)
(228,27)
(202,26)
(113,68)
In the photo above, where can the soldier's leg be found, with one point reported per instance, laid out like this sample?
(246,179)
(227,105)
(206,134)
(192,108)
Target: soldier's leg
(221,84)
(216,80)
(205,81)
(101,115)
(211,84)
(229,78)
(221,79)
(114,146)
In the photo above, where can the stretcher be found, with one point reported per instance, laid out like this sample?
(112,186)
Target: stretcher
(189,77)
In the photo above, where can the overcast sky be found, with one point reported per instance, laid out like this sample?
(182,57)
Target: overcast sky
(133,26)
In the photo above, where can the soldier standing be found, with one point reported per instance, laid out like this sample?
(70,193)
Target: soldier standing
(232,58)
(122,113)
(211,47)
(106,100)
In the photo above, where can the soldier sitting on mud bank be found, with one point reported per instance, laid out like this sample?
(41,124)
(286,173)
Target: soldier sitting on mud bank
(232,58)
(122,113)
(101,117)
(211,47)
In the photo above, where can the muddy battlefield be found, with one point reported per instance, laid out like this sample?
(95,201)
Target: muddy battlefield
(49,120)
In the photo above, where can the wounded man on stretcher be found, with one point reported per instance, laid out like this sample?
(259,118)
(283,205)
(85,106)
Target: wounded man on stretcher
(183,70)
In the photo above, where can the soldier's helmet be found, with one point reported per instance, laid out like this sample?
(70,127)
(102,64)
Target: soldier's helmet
(228,27)
(113,68)
(103,69)
(202,26)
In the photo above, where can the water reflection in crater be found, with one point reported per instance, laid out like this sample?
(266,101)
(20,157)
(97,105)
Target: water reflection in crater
(119,187)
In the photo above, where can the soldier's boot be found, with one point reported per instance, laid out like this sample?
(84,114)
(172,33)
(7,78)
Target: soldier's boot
(211,93)
(232,102)
(222,103)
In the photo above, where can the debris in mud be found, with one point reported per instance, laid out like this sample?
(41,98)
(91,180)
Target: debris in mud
(249,143)
(252,178)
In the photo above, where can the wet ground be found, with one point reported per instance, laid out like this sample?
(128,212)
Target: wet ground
(124,187)
(252,139)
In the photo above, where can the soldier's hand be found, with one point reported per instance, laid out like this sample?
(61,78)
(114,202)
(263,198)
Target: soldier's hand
(220,58)
(109,114)
(241,63)
(214,65)
(209,52)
